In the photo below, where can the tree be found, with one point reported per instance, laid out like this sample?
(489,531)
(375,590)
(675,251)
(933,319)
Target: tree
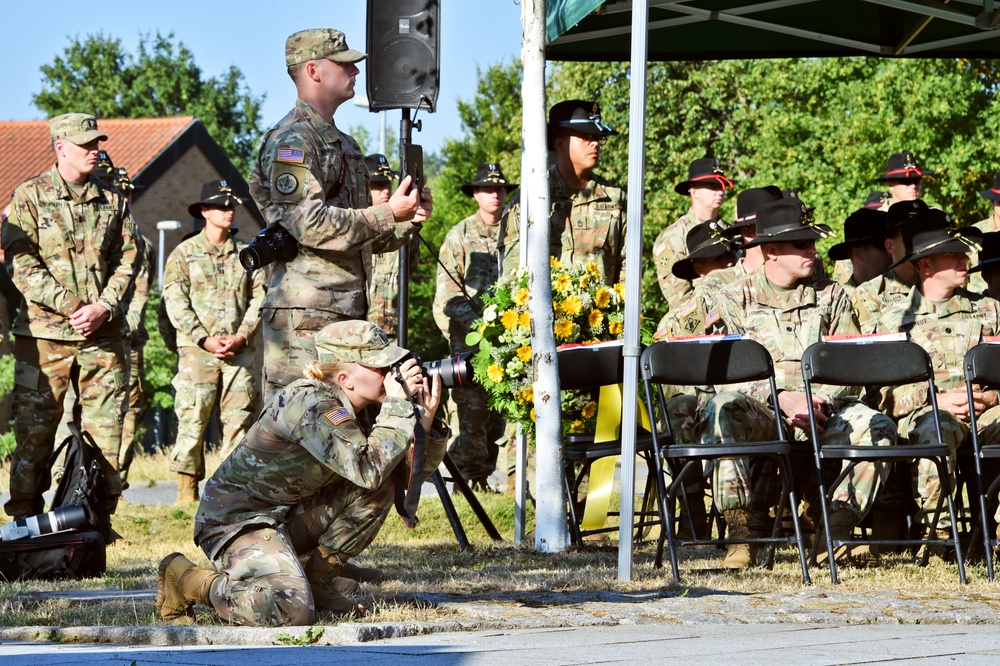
(96,75)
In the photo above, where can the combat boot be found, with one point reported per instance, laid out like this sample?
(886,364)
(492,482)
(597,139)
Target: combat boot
(187,489)
(182,585)
(842,524)
(362,574)
(699,516)
(330,589)
(738,527)
(933,553)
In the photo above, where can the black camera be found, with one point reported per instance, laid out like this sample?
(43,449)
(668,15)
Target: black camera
(272,244)
(454,372)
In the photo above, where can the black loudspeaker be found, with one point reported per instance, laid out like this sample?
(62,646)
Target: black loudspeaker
(403,63)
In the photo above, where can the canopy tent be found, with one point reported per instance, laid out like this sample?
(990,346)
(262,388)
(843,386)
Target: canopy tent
(721,29)
(714,29)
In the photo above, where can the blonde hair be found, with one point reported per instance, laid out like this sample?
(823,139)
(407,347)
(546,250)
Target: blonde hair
(325,372)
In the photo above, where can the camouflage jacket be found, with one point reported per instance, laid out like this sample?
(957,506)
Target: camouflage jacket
(310,178)
(307,440)
(469,253)
(207,292)
(138,294)
(784,323)
(67,253)
(976,282)
(383,291)
(585,225)
(874,297)
(669,247)
(946,331)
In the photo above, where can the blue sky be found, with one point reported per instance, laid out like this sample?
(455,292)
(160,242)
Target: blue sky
(251,35)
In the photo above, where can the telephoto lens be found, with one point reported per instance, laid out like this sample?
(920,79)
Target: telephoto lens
(58,520)
(454,372)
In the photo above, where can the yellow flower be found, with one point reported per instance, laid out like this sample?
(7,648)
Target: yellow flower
(595,318)
(589,410)
(527,395)
(564,329)
(615,327)
(495,373)
(521,297)
(509,319)
(593,270)
(576,426)
(562,283)
(620,290)
(532,414)
(525,320)
(482,328)
(584,280)
(524,353)
(572,305)
(603,298)
(555,263)
(557,310)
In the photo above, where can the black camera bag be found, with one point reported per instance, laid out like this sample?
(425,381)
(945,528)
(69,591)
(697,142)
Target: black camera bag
(87,480)
(64,555)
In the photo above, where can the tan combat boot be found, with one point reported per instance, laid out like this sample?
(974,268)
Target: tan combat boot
(323,570)
(842,524)
(934,554)
(182,585)
(738,527)
(362,574)
(187,489)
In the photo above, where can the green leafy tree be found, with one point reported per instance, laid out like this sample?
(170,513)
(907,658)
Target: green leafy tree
(96,75)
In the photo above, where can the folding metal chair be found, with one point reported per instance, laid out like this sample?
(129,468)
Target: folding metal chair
(882,364)
(982,366)
(712,362)
(589,368)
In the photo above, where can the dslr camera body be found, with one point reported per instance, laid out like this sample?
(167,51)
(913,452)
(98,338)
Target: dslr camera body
(270,245)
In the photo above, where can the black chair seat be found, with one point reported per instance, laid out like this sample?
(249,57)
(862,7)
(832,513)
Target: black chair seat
(898,452)
(713,451)
(991,451)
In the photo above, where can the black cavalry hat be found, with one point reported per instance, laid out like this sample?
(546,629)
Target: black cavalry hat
(786,220)
(379,170)
(990,254)
(932,232)
(699,171)
(993,194)
(214,193)
(865,225)
(901,213)
(747,203)
(488,175)
(703,240)
(578,115)
(903,165)
(876,199)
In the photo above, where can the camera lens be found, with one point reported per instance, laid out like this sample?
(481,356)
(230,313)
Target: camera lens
(250,259)
(455,372)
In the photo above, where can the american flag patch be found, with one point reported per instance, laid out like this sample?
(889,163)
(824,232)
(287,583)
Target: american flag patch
(339,415)
(291,155)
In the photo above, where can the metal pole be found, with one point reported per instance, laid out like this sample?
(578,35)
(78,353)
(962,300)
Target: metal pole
(633,283)
(163,226)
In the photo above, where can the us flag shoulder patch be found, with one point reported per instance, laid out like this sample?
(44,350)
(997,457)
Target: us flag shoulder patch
(291,155)
(339,415)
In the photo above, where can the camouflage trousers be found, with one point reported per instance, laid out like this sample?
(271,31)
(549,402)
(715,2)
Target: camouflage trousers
(201,382)
(289,345)
(136,408)
(263,582)
(918,428)
(682,410)
(43,371)
(476,448)
(751,483)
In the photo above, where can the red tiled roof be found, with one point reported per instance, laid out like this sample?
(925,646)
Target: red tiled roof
(132,143)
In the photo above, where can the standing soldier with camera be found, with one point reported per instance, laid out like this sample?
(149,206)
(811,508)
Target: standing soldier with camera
(467,270)
(214,306)
(310,180)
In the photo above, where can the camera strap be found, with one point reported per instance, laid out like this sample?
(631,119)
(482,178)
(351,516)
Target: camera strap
(475,306)
(407,490)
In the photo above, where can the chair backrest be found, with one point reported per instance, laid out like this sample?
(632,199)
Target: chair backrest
(700,362)
(886,363)
(982,365)
(590,366)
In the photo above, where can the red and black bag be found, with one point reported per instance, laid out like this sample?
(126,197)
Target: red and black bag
(63,555)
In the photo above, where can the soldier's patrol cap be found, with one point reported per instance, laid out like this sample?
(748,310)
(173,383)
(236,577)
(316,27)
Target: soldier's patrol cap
(704,240)
(317,44)
(379,170)
(786,220)
(78,128)
(488,175)
(903,165)
(577,115)
(357,342)
(214,193)
(865,225)
(932,232)
(747,203)
(990,254)
(702,172)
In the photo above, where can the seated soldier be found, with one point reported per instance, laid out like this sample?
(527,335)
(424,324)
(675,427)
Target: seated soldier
(946,320)
(783,306)
(309,486)
(863,247)
(989,264)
